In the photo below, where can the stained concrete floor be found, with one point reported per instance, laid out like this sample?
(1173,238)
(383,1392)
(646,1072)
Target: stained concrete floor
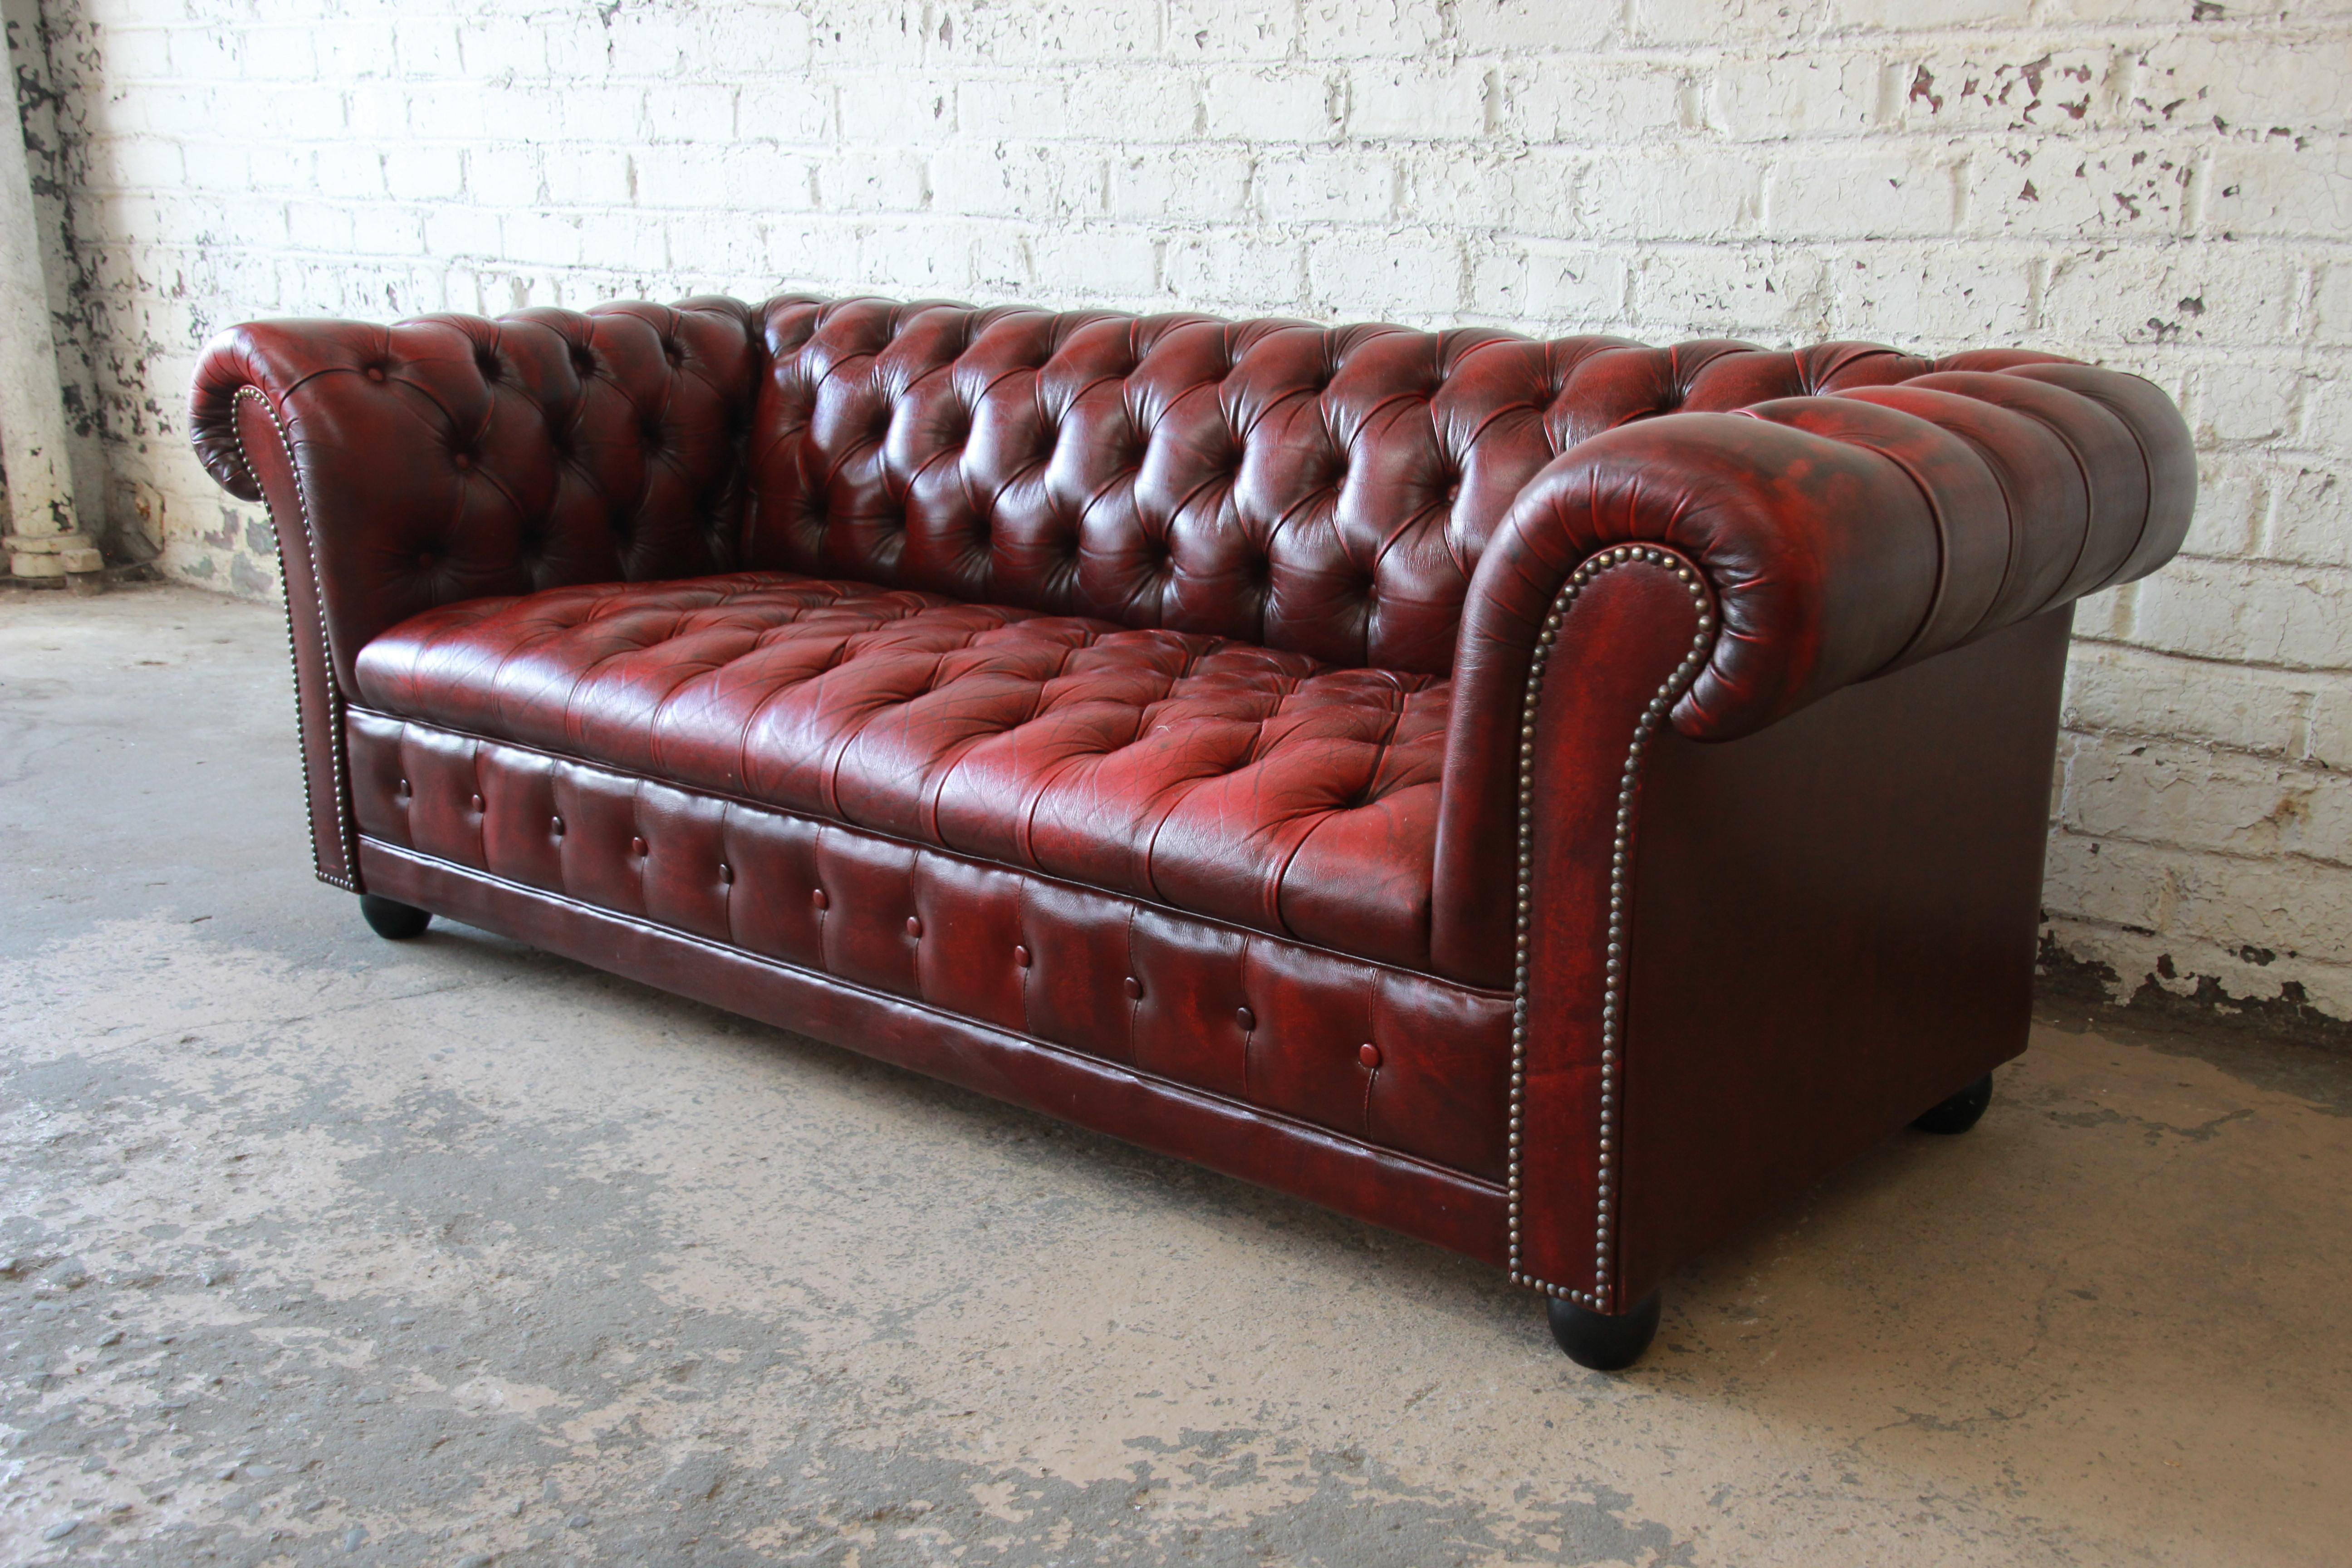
(315,1248)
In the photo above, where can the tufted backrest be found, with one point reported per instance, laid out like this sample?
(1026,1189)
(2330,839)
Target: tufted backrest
(1322,491)
(1318,490)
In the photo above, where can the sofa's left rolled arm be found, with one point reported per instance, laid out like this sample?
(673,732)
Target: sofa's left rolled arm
(455,457)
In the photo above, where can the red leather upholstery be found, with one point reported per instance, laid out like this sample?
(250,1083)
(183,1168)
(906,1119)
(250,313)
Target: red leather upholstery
(1256,1020)
(1229,734)
(1255,786)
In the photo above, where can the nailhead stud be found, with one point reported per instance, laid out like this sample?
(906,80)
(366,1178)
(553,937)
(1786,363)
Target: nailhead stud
(1660,704)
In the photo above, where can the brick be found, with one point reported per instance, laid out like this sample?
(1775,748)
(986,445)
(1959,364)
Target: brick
(2116,689)
(1414,100)
(1282,105)
(2303,191)
(1045,31)
(2245,399)
(1353,29)
(2252,83)
(1672,195)
(2310,515)
(2114,884)
(1193,185)
(1031,180)
(871,180)
(1403,275)
(1934,298)
(1229,30)
(1548,287)
(1347,186)
(1588,102)
(1085,262)
(1815,92)
(2257,612)
(2100,296)
(418,171)
(2332,313)
(1892,14)
(1145,105)
(2032,188)
(2327,737)
(2295,906)
(1715,292)
(2000,84)
(919,108)
(682,112)
(1222,267)
(2194,797)
(1490,25)
(1861,196)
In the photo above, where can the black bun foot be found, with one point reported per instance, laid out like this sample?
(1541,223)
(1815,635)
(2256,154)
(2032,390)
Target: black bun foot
(393,922)
(1598,1341)
(1960,1112)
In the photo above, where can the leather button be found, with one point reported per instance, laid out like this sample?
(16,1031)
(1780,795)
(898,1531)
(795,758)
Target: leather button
(476,803)
(555,826)
(1134,989)
(464,459)
(404,788)
(638,848)
(1245,1018)
(1020,955)
(818,899)
(1368,1055)
(914,925)
(726,875)
(375,372)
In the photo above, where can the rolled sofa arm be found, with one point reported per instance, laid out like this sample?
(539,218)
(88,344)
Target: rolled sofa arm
(457,457)
(453,458)
(1836,538)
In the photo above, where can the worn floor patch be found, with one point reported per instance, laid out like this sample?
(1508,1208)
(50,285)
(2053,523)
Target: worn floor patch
(315,1248)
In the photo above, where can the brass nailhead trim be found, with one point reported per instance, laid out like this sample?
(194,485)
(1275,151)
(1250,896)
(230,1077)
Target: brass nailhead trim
(1605,1220)
(344,835)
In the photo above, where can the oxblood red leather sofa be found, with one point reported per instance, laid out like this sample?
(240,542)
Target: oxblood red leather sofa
(1553,799)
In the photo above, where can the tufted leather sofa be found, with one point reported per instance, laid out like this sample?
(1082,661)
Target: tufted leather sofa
(1553,799)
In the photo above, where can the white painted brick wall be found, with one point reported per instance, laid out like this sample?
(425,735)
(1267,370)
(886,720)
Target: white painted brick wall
(2157,184)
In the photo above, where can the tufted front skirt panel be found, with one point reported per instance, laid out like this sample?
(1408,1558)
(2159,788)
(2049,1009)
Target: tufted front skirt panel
(1385,1056)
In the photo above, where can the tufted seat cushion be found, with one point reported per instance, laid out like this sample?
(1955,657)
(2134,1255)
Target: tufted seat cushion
(1255,787)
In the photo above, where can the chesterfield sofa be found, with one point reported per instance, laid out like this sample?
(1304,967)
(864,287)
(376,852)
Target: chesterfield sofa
(1553,799)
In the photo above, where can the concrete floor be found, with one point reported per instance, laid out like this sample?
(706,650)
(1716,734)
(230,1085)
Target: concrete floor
(315,1248)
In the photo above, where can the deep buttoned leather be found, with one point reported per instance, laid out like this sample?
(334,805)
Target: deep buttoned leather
(1259,787)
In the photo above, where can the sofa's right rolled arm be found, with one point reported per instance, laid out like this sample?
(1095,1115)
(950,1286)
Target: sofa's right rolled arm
(1840,537)
(1846,536)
